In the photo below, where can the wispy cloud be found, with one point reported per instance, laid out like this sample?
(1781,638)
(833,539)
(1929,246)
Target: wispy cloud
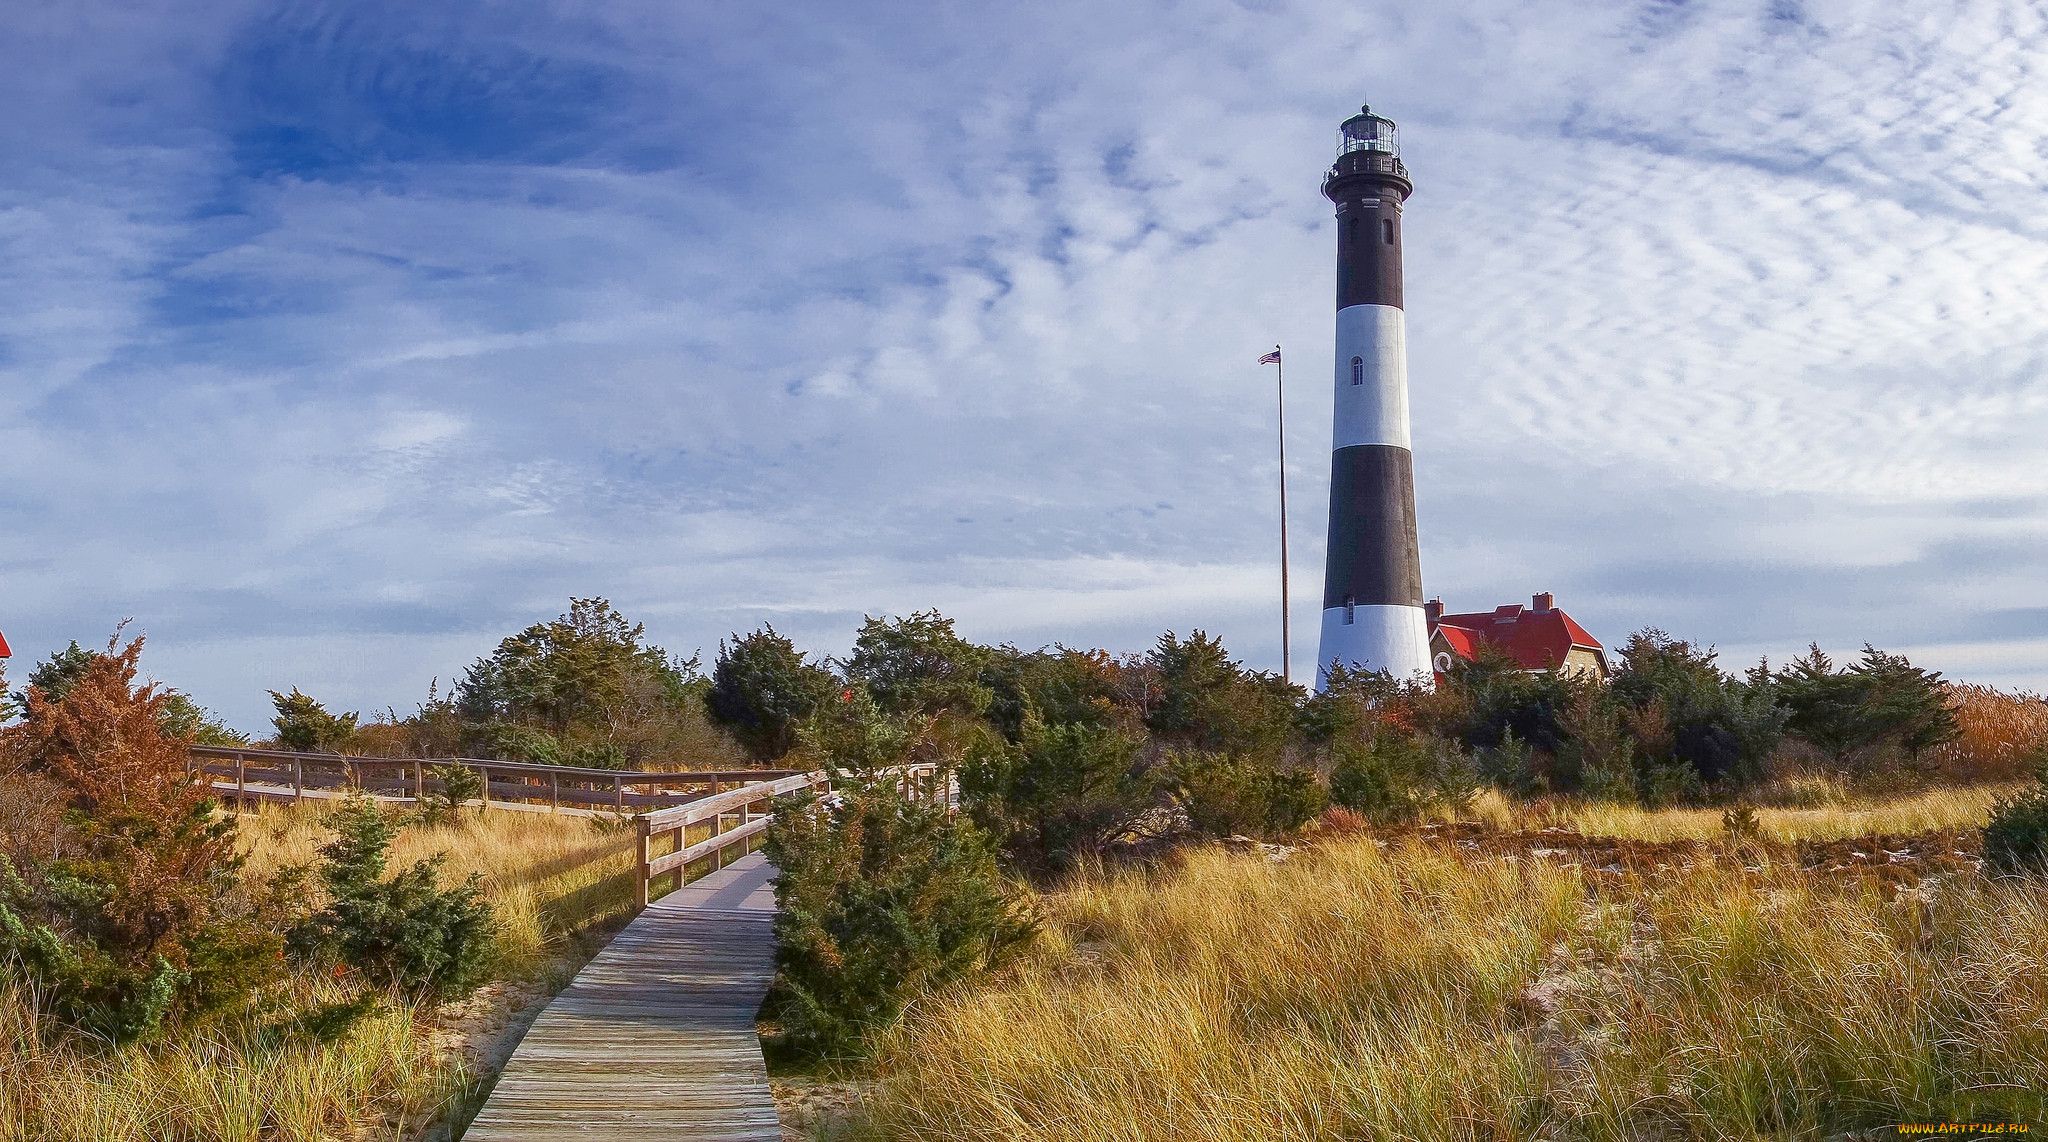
(341,339)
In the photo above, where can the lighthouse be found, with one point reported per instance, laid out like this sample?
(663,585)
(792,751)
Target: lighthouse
(1372,583)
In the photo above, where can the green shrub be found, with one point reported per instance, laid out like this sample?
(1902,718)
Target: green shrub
(1739,823)
(1880,711)
(585,689)
(1512,765)
(1663,785)
(1061,793)
(459,785)
(2016,840)
(305,725)
(880,899)
(762,690)
(1391,776)
(918,664)
(1227,795)
(407,931)
(1689,716)
(1205,700)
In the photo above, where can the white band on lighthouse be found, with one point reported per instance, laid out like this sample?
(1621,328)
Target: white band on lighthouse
(1390,638)
(1372,376)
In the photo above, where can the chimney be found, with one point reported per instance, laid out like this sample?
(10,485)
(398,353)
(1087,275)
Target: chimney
(1542,601)
(1433,610)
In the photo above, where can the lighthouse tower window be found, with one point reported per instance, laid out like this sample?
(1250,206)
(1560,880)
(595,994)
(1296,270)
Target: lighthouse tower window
(1387,228)
(1357,370)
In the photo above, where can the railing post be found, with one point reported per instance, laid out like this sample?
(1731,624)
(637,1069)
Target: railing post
(298,779)
(640,870)
(554,792)
(619,795)
(487,788)
(419,781)
(241,782)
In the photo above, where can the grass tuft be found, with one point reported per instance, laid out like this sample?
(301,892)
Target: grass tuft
(242,1080)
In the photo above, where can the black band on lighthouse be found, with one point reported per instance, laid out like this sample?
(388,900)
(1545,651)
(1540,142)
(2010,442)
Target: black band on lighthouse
(1369,252)
(1373,557)
(1368,188)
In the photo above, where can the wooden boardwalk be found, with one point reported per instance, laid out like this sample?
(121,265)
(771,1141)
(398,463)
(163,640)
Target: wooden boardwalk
(655,1038)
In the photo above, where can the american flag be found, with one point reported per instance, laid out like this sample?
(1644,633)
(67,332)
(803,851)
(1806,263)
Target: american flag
(1272,358)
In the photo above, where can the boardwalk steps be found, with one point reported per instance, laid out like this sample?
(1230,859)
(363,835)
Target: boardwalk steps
(655,1037)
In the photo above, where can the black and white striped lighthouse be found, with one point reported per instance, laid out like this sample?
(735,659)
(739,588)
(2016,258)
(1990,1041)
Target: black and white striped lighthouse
(1372,583)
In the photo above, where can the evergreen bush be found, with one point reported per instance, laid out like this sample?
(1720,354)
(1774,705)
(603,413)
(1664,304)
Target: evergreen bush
(762,690)
(1231,794)
(2016,839)
(406,932)
(459,785)
(305,725)
(880,898)
(1062,793)
(1392,777)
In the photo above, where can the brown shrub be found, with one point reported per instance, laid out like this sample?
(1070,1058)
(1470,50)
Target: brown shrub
(1339,821)
(2003,735)
(121,908)
(142,819)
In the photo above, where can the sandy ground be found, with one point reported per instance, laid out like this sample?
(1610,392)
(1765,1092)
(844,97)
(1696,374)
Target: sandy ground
(817,1110)
(1903,861)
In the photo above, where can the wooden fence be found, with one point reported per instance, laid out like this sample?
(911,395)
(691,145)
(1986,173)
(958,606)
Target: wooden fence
(667,807)
(253,775)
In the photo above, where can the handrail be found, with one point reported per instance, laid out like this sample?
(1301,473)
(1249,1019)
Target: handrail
(582,772)
(586,790)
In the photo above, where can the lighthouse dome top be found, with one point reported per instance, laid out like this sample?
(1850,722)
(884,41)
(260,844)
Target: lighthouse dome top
(1366,131)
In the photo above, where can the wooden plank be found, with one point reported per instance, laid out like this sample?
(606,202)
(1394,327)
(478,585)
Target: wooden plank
(655,1038)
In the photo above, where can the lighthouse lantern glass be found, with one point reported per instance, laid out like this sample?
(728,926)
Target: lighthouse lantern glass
(1369,132)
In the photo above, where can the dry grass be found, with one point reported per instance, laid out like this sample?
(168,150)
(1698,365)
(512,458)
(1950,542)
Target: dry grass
(545,876)
(2003,734)
(1838,815)
(1417,993)
(232,1083)
(241,1081)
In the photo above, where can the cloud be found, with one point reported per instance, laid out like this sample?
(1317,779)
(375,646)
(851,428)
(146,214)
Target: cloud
(343,340)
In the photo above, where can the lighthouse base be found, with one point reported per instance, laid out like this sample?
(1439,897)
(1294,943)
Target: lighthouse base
(1384,637)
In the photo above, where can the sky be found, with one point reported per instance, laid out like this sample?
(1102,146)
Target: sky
(340,340)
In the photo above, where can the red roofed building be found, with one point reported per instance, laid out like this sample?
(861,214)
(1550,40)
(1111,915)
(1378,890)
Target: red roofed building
(4,652)
(1538,636)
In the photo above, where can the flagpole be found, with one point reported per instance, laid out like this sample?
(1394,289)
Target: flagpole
(1286,616)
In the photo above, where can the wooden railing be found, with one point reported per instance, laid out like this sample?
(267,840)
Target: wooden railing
(924,782)
(251,775)
(667,808)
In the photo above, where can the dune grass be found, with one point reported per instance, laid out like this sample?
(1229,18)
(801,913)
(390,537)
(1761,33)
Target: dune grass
(1822,811)
(1415,993)
(230,1082)
(243,1079)
(545,875)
